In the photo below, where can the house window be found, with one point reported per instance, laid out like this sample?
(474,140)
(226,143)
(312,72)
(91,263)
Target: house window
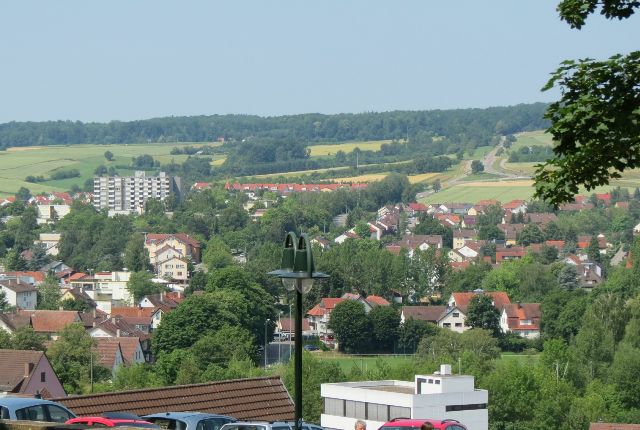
(447,325)
(437,381)
(456,314)
(43,377)
(458,324)
(470,407)
(429,381)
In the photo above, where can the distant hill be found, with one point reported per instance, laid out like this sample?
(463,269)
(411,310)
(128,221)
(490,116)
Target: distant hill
(459,125)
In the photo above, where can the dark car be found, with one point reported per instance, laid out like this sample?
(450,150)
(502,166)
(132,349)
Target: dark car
(189,420)
(311,348)
(32,409)
(415,424)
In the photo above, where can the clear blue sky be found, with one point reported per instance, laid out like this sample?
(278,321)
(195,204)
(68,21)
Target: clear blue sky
(105,60)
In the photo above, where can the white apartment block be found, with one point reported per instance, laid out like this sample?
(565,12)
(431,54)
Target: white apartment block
(107,289)
(128,194)
(18,293)
(439,396)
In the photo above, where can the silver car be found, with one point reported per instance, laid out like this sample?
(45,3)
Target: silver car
(257,425)
(32,409)
(188,420)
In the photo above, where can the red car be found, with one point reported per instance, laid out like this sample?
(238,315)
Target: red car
(115,420)
(411,424)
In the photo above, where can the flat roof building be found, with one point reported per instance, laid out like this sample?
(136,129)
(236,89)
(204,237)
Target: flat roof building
(440,396)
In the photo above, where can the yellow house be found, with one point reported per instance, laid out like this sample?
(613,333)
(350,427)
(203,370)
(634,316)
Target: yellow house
(174,269)
(182,243)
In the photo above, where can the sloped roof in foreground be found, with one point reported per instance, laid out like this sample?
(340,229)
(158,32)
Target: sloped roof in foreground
(245,399)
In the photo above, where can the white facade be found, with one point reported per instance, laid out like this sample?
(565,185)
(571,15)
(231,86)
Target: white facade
(48,213)
(20,295)
(438,396)
(107,289)
(50,242)
(127,194)
(453,320)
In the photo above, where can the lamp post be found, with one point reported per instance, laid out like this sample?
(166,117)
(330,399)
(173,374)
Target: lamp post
(267,321)
(297,272)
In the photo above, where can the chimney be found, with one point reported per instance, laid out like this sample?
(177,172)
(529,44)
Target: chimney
(94,324)
(28,368)
(94,313)
(113,320)
(117,332)
(445,369)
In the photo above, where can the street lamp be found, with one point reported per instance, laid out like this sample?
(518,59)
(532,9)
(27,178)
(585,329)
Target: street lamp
(265,341)
(297,272)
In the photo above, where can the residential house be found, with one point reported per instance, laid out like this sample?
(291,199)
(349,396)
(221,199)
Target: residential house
(416,209)
(51,212)
(448,220)
(49,323)
(321,242)
(511,253)
(413,242)
(541,219)
(50,242)
(28,277)
(350,234)
(469,222)
(589,273)
(117,328)
(458,306)
(460,237)
(511,232)
(199,186)
(522,319)
(455,256)
(55,267)
(138,317)
(19,294)
(320,315)
(78,295)
(515,206)
(174,268)
(286,328)
(107,289)
(108,353)
(12,321)
(189,247)
(28,373)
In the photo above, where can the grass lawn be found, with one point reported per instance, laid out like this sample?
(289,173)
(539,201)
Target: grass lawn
(478,153)
(18,163)
(480,177)
(331,149)
(532,138)
(471,192)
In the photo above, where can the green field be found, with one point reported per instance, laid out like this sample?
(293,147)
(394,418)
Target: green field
(18,163)
(478,153)
(532,138)
(471,192)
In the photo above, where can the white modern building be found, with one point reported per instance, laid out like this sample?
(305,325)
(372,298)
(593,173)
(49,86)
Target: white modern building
(107,289)
(442,395)
(128,194)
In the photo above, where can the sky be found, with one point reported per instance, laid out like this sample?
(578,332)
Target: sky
(104,60)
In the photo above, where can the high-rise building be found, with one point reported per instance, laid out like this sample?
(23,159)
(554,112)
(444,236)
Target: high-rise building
(127,194)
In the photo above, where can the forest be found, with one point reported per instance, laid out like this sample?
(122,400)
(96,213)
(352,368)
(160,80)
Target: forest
(461,125)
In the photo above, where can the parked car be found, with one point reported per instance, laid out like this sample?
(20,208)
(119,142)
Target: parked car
(415,424)
(32,409)
(188,420)
(114,419)
(311,347)
(305,426)
(257,425)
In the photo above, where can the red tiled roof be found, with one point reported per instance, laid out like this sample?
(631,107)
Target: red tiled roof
(182,237)
(132,311)
(518,312)
(325,306)
(377,300)
(13,368)
(288,325)
(613,426)
(77,276)
(423,313)
(513,204)
(37,276)
(455,265)
(129,346)
(106,350)
(264,399)
(462,300)
(44,321)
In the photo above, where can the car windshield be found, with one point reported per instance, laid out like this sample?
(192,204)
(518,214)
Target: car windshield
(168,423)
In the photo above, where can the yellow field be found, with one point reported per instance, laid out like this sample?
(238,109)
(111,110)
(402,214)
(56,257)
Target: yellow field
(326,150)
(218,161)
(414,179)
